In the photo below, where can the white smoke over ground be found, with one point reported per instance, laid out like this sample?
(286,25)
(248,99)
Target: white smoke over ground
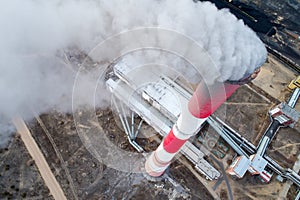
(33,77)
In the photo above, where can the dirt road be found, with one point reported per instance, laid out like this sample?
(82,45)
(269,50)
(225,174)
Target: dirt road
(39,159)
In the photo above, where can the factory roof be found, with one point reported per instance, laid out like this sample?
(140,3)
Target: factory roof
(239,166)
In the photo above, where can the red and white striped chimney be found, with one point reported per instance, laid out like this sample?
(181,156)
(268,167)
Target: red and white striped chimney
(205,100)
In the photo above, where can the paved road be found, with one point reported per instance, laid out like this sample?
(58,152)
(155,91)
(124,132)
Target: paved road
(39,159)
(224,176)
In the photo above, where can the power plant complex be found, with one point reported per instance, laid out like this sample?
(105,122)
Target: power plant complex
(150,99)
(171,109)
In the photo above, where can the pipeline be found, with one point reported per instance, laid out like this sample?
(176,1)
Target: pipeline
(228,134)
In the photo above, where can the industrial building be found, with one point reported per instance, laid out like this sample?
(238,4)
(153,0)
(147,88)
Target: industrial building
(282,115)
(166,96)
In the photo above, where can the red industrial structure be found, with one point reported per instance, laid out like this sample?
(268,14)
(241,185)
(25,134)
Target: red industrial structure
(205,100)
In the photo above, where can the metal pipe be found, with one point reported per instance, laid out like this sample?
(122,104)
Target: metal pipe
(132,142)
(286,173)
(132,125)
(126,121)
(120,116)
(138,128)
(226,137)
(294,98)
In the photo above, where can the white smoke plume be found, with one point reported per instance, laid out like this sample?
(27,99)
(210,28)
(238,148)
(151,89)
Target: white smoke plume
(33,33)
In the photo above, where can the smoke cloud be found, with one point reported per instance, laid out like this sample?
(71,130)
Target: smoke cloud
(34,35)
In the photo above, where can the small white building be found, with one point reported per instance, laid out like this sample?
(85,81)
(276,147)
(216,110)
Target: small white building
(266,176)
(285,114)
(258,164)
(239,166)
